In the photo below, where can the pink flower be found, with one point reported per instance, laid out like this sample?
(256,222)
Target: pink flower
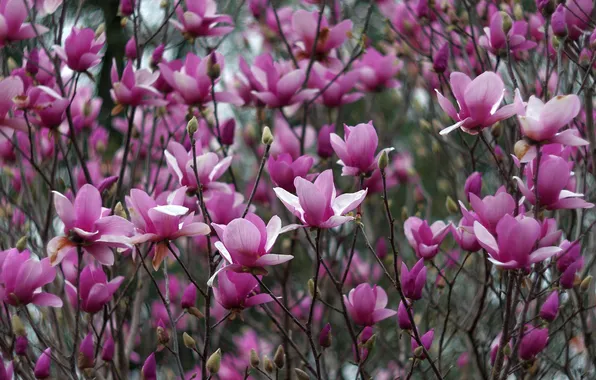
(88,226)
(86,358)
(478,101)
(162,224)
(134,88)
(304,26)
(95,290)
(224,206)
(149,370)
(514,246)
(85,108)
(189,297)
(201,19)
(541,122)
(553,179)
(283,170)
(490,209)
(22,278)
(366,304)
(247,243)
(209,168)
(570,253)
(12,15)
(10,87)
(533,342)
(426,340)
(43,364)
(577,15)
(287,141)
(192,82)
(81,49)
(423,238)
(377,71)
(473,185)
(107,352)
(412,281)
(464,233)
(316,204)
(324,148)
(495,40)
(356,151)
(403,319)
(550,308)
(236,291)
(339,91)
(49,106)
(279,84)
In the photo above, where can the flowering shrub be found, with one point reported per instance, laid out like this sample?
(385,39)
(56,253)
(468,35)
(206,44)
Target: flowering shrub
(314,189)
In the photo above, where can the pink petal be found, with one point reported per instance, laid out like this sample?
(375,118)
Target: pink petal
(272,259)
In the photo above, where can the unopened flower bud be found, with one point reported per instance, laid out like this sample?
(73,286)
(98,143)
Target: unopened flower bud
(280,357)
(192,126)
(20,345)
(418,352)
(213,68)
(17,326)
(325,337)
(21,244)
(267,136)
(558,22)
(496,130)
(521,148)
(12,64)
(518,12)
(195,312)
(268,364)
(585,284)
(311,288)
(507,22)
(254,359)
(441,59)
(119,210)
(507,350)
(300,374)
(189,341)
(383,160)
(163,337)
(100,30)
(450,205)
(214,362)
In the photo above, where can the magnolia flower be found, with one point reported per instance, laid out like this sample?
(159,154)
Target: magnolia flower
(366,304)
(490,209)
(10,87)
(514,246)
(134,88)
(316,204)
(149,370)
(356,151)
(247,242)
(236,291)
(43,364)
(209,168)
(337,90)
(81,49)
(533,341)
(283,170)
(478,102)
(553,178)
(23,276)
(201,19)
(473,185)
(12,28)
(95,290)
(162,224)
(412,281)
(496,41)
(423,238)
(550,308)
(426,340)
(541,122)
(89,227)
(377,72)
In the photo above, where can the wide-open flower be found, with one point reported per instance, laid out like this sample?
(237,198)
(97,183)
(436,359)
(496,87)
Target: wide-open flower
(377,71)
(553,179)
(237,291)
(134,88)
(12,27)
(356,151)
(423,238)
(412,281)
(88,226)
(193,83)
(541,122)
(496,41)
(9,88)
(247,243)
(209,167)
(22,278)
(366,304)
(533,342)
(514,246)
(316,204)
(162,224)
(95,290)
(478,102)
(81,49)
(283,170)
(280,84)
(339,92)
(201,19)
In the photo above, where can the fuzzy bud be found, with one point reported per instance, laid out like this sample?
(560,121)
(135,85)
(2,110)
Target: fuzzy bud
(214,362)
(267,136)
(300,374)
(521,148)
(280,357)
(195,312)
(192,126)
(119,210)
(213,68)
(163,337)
(189,341)
(311,288)
(100,30)
(418,352)
(507,22)
(21,244)
(254,359)
(17,326)
(450,205)
(268,364)
(585,284)
(383,160)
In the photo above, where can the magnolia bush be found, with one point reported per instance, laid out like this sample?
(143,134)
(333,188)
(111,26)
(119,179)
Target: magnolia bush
(315,189)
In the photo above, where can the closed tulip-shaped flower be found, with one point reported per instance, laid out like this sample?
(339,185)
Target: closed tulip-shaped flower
(366,304)
(533,342)
(149,370)
(473,184)
(95,290)
(283,170)
(234,291)
(412,281)
(423,238)
(426,340)
(550,308)
(81,49)
(316,204)
(43,364)
(403,319)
